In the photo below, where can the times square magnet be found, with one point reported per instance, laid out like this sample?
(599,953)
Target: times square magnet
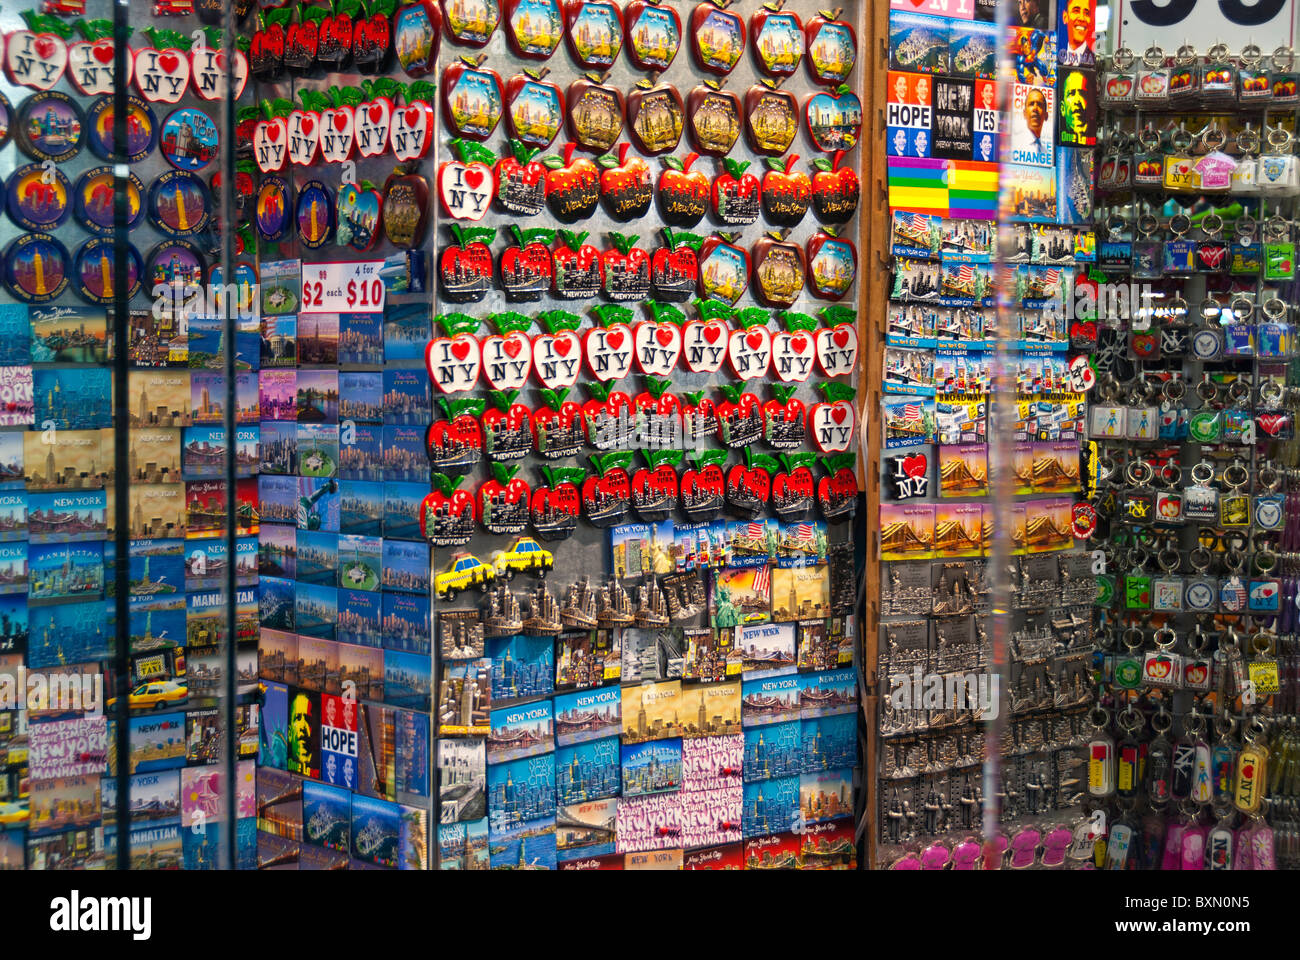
(141,129)
(315,214)
(273,210)
(189,139)
(50,127)
(36,198)
(179,204)
(176,263)
(92,200)
(35,268)
(93,271)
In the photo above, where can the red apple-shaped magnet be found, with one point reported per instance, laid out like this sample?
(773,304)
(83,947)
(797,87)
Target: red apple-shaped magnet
(837,493)
(557,353)
(655,115)
(653,33)
(502,502)
(372,37)
(785,191)
(406,208)
(837,343)
(655,486)
(717,38)
(705,338)
(508,353)
(749,485)
(658,415)
(834,119)
(674,270)
(724,269)
(832,48)
(507,428)
(626,267)
(471,98)
(832,265)
(554,507)
(682,193)
(465,267)
(713,118)
(557,424)
(162,71)
(607,495)
(771,118)
(455,442)
(520,181)
(594,112)
(525,266)
(91,61)
(793,486)
(777,38)
(335,44)
(339,122)
(534,28)
(594,29)
(411,129)
(470,23)
(608,417)
(572,185)
(740,416)
(704,486)
(657,343)
(447,514)
(625,188)
(835,190)
(735,194)
(779,273)
(579,269)
(699,418)
(534,108)
(266,49)
(453,361)
(302,39)
(417,34)
(785,421)
(38,56)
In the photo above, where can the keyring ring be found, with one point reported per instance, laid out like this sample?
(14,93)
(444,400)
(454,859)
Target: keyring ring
(1177,308)
(1245,226)
(1207,390)
(1164,638)
(1235,540)
(1265,560)
(1212,225)
(1180,223)
(1268,476)
(1169,559)
(1210,309)
(1148,224)
(1234,561)
(1264,647)
(1200,559)
(1139,473)
(1185,54)
(1203,473)
(1099,718)
(1247,143)
(1153,57)
(1124,58)
(1243,308)
(1161,722)
(1283,59)
(1236,474)
(1138,557)
(1275,309)
(1239,390)
(1174,389)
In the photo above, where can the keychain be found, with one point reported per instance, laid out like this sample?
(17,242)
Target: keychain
(1252,771)
(1152,79)
(1101,756)
(1148,250)
(1159,762)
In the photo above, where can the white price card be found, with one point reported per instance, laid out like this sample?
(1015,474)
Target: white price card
(354,286)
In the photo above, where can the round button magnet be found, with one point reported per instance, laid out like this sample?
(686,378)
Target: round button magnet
(35,268)
(50,126)
(273,213)
(189,139)
(141,129)
(37,199)
(176,262)
(6,120)
(92,200)
(315,214)
(93,271)
(179,204)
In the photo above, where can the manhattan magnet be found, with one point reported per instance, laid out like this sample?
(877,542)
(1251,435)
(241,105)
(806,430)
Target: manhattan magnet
(36,268)
(314,207)
(92,199)
(273,209)
(179,204)
(189,139)
(37,199)
(50,127)
(93,271)
(141,129)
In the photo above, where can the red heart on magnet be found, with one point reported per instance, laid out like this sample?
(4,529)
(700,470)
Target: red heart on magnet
(460,350)
(755,340)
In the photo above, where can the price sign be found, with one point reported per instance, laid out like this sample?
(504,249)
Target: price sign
(354,286)
(1203,23)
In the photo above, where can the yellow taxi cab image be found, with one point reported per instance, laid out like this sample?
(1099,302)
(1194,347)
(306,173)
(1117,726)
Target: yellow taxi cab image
(11,813)
(464,571)
(156,694)
(524,556)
